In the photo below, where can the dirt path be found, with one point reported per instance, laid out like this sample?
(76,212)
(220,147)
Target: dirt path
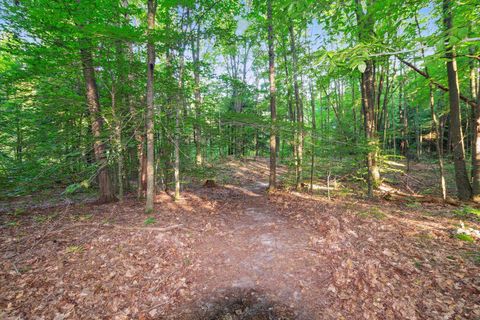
(257,250)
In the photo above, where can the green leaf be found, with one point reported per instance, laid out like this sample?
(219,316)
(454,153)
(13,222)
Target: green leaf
(362,66)
(72,188)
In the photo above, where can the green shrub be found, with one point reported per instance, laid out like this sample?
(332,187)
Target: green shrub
(149,221)
(468,212)
(464,237)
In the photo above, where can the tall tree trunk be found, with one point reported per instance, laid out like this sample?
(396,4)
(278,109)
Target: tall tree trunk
(365,24)
(19,135)
(443,187)
(195,45)
(137,117)
(177,152)
(273,108)
(298,108)
(418,133)
(93,101)
(314,135)
(464,189)
(475,92)
(152,6)
(291,110)
(378,97)
(118,142)
(385,109)
(370,126)
(118,89)
(180,104)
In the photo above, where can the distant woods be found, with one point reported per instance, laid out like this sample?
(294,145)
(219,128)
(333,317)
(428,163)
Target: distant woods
(143,96)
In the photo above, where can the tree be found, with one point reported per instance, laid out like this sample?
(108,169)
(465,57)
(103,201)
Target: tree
(298,109)
(464,188)
(152,7)
(365,23)
(273,108)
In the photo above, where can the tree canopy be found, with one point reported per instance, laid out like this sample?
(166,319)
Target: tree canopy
(127,95)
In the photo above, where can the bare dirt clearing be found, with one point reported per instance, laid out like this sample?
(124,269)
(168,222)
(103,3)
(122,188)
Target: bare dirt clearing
(234,252)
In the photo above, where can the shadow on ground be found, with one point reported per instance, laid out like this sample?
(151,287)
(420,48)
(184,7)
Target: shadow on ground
(243,305)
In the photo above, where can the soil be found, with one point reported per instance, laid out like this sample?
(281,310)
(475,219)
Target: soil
(238,252)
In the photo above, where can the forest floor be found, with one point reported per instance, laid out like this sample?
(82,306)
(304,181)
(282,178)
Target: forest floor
(235,252)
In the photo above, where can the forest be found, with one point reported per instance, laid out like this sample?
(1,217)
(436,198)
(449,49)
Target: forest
(239,159)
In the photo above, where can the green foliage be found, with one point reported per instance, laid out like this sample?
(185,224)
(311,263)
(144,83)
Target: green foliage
(413,205)
(45,125)
(75,187)
(418,264)
(149,221)
(464,237)
(468,212)
(18,212)
(373,212)
(83,217)
(12,224)
(42,218)
(74,249)
(473,256)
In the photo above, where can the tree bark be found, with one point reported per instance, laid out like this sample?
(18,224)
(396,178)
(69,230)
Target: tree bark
(314,135)
(298,108)
(195,45)
(93,101)
(475,92)
(118,141)
(152,6)
(291,110)
(138,118)
(365,25)
(180,104)
(273,109)
(443,187)
(464,189)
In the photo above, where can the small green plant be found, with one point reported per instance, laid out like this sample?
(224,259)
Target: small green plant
(374,212)
(18,212)
(24,269)
(464,237)
(473,256)
(83,217)
(418,264)
(149,221)
(428,191)
(44,218)
(107,221)
(12,224)
(343,192)
(74,249)
(413,205)
(40,218)
(468,212)
(73,188)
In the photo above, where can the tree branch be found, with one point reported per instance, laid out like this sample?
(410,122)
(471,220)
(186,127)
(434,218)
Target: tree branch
(438,85)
